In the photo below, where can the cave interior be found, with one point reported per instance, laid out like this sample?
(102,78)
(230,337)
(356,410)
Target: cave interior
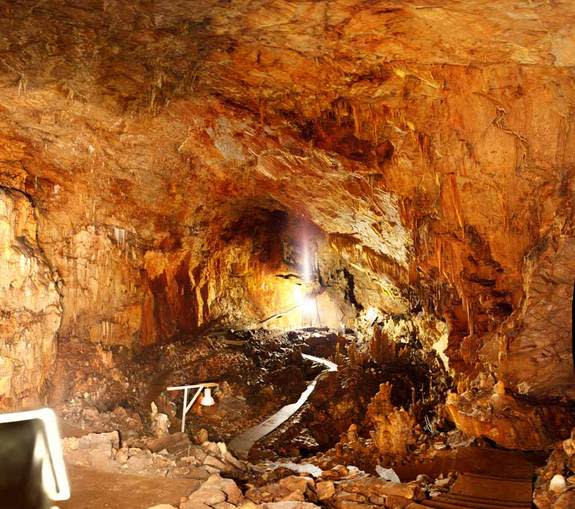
(354,218)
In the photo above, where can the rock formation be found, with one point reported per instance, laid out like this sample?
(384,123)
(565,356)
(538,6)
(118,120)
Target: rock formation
(162,167)
(29,302)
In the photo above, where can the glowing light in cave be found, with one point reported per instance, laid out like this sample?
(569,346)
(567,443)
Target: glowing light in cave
(309,306)
(207,399)
(298,295)
(306,264)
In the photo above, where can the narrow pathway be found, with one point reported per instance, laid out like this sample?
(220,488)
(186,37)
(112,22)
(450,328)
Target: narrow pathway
(242,443)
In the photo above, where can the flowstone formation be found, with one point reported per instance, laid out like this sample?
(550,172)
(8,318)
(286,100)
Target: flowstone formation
(30,305)
(400,172)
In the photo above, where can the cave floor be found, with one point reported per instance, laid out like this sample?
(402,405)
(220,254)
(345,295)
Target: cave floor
(97,489)
(487,473)
(261,376)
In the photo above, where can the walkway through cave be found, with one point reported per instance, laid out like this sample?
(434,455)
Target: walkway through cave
(242,443)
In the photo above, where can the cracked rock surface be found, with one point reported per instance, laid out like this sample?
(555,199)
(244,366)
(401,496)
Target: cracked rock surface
(427,148)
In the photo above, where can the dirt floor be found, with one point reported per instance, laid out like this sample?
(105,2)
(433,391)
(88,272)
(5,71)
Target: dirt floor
(95,489)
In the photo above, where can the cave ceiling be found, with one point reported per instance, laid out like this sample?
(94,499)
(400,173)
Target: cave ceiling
(431,141)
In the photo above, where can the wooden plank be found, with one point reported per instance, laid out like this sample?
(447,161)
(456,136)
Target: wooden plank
(242,443)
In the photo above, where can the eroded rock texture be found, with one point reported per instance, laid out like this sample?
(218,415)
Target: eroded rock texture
(431,144)
(30,307)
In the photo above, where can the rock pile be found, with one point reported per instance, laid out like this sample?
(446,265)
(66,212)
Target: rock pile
(81,414)
(338,488)
(216,492)
(170,456)
(216,473)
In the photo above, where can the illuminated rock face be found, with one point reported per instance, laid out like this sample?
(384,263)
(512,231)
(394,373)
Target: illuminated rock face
(431,144)
(253,276)
(29,303)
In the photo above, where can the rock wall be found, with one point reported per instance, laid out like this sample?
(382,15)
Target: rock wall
(102,285)
(532,353)
(248,276)
(30,309)
(432,144)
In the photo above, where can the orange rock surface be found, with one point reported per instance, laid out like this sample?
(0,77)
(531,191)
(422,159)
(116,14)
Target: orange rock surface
(430,143)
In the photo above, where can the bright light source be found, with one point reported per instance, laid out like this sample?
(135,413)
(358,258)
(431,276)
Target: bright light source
(297,295)
(207,400)
(309,306)
(306,269)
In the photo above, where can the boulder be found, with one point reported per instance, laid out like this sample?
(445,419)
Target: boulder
(211,449)
(172,443)
(248,504)
(369,487)
(208,496)
(294,495)
(210,461)
(139,462)
(349,504)
(296,483)
(351,497)
(94,449)
(122,456)
(104,441)
(337,472)
(233,461)
(198,454)
(194,505)
(325,490)
(228,486)
(196,473)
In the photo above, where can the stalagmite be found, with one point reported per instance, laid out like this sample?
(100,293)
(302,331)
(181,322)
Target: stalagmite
(193,195)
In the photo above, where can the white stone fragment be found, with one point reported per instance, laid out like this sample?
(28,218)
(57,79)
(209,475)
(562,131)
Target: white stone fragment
(558,483)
